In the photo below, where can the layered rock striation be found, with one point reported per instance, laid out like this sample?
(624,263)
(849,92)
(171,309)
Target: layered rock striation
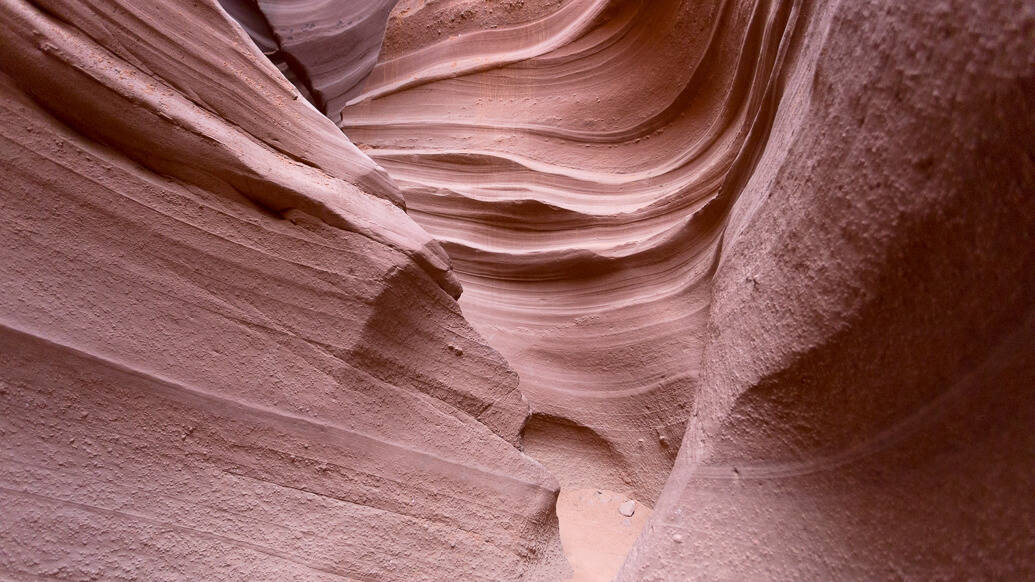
(227,352)
(803,228)
(866,401)
(326,48)
(578,167)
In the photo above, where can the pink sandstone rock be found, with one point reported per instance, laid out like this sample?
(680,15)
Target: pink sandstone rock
(571,165)
(867,401)
(224,345)
(325,48)
(766,266)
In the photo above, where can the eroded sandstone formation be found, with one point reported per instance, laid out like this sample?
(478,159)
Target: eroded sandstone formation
(783,245)
(867,397)
(227,352)
(326,48)
(573,175)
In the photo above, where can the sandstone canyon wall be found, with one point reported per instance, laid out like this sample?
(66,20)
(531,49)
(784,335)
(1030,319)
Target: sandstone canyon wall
(228,353)
(867,397)
(766,265)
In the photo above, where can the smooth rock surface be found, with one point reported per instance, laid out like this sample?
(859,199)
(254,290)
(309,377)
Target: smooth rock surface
(595,535)
(803,228)
(567,156)
(326,48)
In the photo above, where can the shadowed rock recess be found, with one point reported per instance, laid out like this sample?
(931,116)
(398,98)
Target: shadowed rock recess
(542,290)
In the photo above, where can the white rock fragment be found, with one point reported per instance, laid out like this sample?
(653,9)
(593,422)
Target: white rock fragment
(628,508)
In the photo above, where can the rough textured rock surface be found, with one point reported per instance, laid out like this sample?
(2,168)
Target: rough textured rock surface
(227,352)
(866,402)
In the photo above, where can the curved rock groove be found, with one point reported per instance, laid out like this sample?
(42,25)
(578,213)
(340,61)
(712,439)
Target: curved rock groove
(577,191)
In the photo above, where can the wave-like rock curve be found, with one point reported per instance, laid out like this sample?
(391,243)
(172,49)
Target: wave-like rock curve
(325,48)
(574,174)
(801,228)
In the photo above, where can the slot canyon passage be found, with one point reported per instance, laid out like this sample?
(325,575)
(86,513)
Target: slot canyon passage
(546,290)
